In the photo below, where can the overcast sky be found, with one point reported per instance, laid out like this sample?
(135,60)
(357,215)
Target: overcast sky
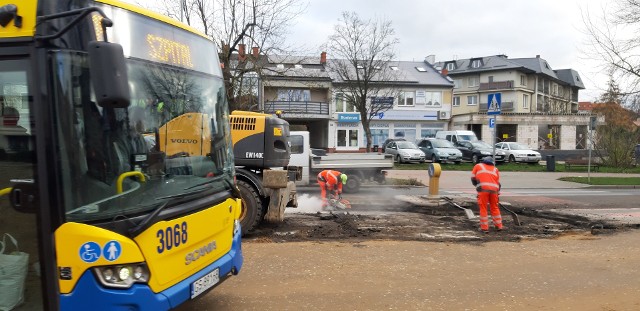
(452,29)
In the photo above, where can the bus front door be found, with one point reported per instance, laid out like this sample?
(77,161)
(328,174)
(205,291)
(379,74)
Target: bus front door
(20,275)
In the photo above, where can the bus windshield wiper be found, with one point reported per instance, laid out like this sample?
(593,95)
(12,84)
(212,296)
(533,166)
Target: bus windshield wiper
(146,222)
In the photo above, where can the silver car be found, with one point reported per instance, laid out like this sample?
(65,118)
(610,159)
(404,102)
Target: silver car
(404,151)
(440,150)
(516,152)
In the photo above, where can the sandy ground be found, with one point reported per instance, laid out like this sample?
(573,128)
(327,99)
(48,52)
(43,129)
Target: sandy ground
(572,272)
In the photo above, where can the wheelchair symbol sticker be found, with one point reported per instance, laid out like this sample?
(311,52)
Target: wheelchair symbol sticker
(112,250)
(90,252)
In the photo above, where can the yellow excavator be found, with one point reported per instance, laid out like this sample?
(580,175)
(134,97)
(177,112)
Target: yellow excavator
(261,150)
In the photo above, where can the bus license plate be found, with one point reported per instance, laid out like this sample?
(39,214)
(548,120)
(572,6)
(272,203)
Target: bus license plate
(204,283)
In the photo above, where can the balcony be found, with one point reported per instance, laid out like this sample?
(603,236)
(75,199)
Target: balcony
(308,109)
(505,106)
(497,85)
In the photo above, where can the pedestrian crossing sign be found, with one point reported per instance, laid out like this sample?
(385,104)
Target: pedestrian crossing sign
(494,103)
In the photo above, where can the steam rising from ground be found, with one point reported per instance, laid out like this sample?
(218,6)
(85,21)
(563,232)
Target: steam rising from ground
(307,204)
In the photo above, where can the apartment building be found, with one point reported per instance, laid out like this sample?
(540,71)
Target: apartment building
(419,101)
(539,104)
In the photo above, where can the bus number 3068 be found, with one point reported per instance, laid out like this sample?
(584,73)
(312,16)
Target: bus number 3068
(171,237)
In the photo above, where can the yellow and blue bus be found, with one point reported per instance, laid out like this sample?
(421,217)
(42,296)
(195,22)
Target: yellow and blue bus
(107,217)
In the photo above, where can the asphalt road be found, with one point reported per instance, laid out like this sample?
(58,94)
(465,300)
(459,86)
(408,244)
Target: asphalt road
(574,271)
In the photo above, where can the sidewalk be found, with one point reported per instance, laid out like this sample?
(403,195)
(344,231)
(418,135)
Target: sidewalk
(509,180)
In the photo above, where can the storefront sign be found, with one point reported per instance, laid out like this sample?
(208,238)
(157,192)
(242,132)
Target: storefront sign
(348,117)
(418,115)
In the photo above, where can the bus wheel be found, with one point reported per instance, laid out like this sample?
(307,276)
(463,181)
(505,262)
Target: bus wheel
(251,213)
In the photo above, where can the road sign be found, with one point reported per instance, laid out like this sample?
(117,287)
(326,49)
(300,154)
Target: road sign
(492,122)
(494,103)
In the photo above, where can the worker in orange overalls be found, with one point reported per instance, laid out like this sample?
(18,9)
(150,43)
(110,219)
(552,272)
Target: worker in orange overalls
(331,180)
(486,178)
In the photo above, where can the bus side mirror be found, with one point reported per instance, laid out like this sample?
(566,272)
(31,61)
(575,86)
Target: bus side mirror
(109,74)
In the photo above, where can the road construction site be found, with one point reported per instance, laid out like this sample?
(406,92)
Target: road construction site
(414,213)
(399,249)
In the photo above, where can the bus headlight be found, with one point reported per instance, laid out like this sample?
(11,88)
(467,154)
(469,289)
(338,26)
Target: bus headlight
(122,276)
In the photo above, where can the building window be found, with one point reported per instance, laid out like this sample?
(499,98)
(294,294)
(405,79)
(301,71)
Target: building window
(406,99)
(342,105)
(476,63)
(378,136)
(406,131)
(456,84)
(421,69)
(431,131)
(456,101)
(294,95)
(451,66)
(490,79)
(472,100)
(523,80)
(525,101)
(434,99)
(473,81)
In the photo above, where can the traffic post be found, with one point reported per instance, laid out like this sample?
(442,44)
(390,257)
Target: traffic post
(494,108)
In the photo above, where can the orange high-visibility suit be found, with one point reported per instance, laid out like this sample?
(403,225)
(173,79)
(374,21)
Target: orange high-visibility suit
(486,177)
(329,180)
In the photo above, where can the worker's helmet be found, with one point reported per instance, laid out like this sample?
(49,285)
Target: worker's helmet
(343,178)
(487,160)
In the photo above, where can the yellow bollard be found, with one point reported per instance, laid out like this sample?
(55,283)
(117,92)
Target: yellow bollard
(434,178)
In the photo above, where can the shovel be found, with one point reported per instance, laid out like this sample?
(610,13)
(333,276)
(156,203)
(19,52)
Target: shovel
(467,211)
(516,220)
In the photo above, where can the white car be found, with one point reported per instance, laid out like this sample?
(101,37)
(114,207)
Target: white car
(404,151)
(516,152)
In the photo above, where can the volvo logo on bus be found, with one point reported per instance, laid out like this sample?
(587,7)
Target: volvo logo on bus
(199,252)
(184,141)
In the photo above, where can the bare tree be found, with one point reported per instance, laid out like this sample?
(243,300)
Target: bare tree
(612,38)
(364,50)
(239,27)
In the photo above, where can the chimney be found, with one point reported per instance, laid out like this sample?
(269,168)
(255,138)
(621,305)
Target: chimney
(241,52)
(323,58)
(537,56)
(445,72)
(255,51)
(430,59)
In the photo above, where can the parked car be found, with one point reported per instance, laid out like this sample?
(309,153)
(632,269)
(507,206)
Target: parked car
(474,151)
(516,152)
(387,141)
(404,151)
(456,136)
(440,150)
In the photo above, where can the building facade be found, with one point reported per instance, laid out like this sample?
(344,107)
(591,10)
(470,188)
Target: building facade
(310,97)
(539,105)
(419,104)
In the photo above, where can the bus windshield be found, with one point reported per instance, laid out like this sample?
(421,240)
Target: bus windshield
(174,133)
